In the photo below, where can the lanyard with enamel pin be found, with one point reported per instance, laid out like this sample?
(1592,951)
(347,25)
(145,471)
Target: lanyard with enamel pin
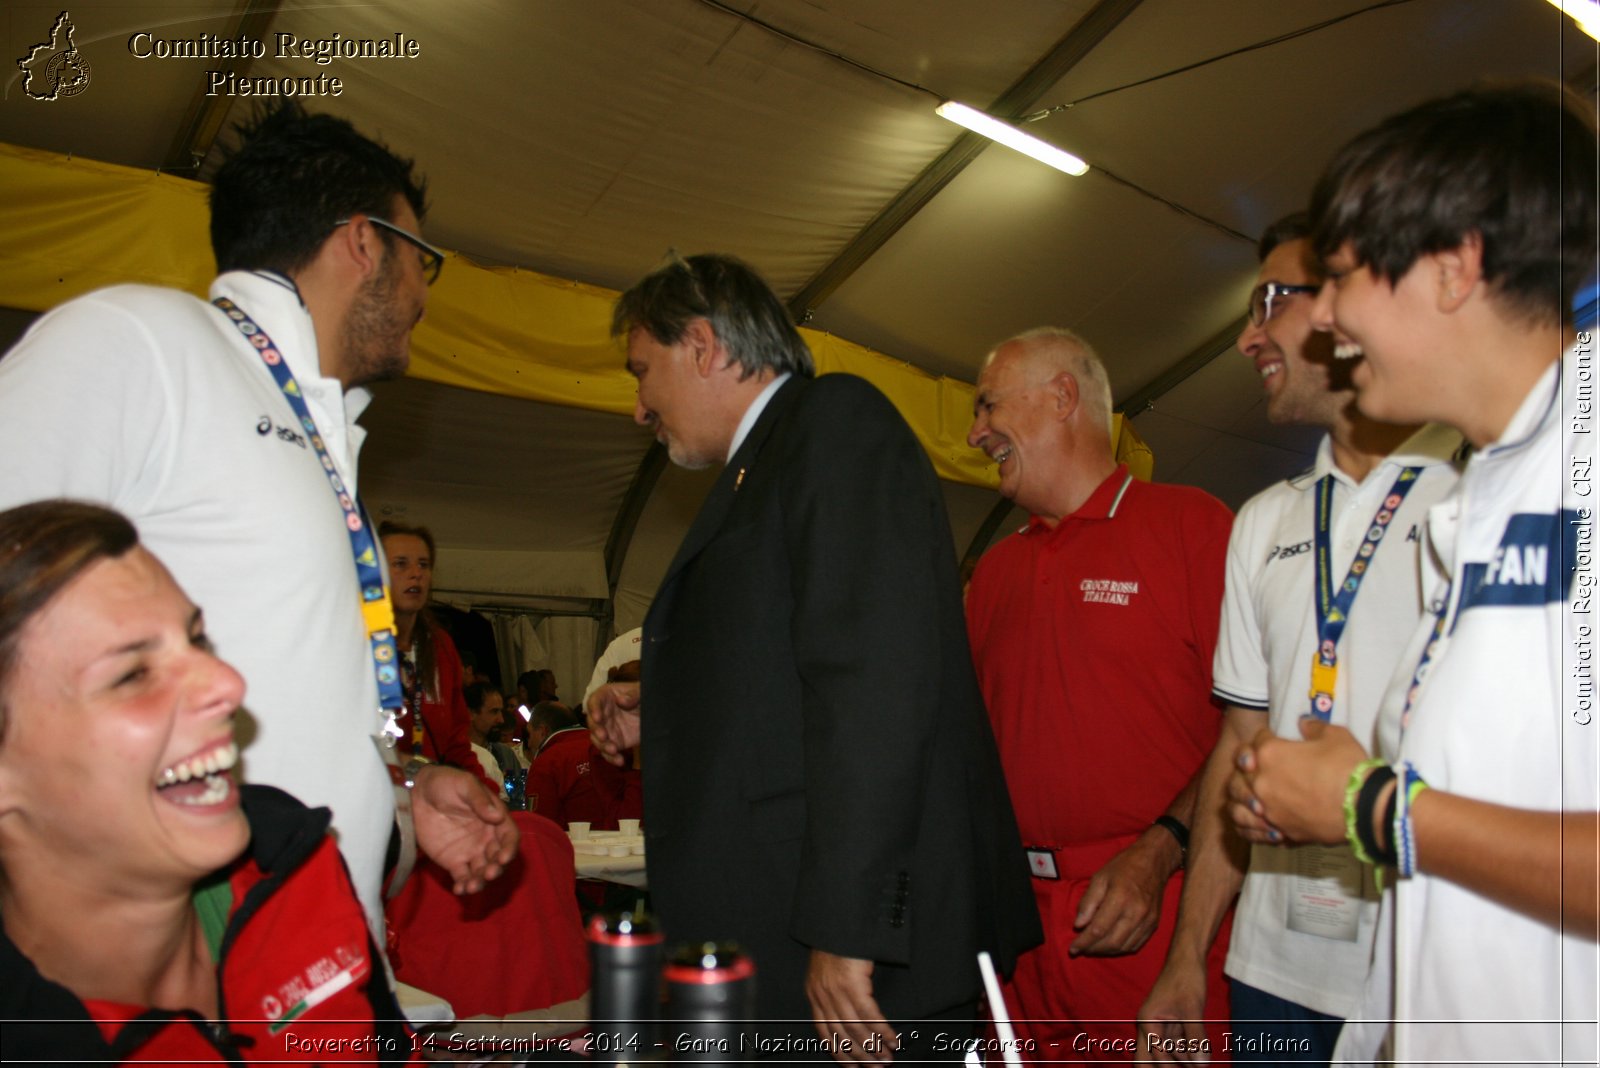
(1327,884)
(1333,612)
(377,608)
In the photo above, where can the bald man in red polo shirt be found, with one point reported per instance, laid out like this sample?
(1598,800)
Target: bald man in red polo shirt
(1092,629)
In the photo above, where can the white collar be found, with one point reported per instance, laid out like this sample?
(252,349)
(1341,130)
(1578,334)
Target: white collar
(273,301)
(752,413)
(1433,443)
(1537,406)
(554,735)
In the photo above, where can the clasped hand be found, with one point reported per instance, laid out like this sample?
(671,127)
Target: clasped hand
(1283,790)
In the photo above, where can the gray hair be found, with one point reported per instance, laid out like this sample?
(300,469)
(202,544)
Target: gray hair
(749,319)
(1061,349)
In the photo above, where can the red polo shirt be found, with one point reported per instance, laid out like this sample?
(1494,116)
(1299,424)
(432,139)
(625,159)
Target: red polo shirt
(1093,644)
(562,785)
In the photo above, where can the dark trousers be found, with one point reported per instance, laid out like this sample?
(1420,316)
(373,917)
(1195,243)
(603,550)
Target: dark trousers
(1267,1030)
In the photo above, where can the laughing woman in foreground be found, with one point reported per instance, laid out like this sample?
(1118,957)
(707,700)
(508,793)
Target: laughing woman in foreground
(153,908)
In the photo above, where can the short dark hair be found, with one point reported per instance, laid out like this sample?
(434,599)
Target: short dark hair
(389,529)
(749,319)
(43,547)
(291,177)
(1296,226)
(474,694)
(552,716)
(1513,163)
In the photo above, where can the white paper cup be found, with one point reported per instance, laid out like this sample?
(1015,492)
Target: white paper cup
(628,826)
(579,829)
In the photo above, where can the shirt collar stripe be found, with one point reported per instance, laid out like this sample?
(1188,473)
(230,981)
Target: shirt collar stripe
(1127,481)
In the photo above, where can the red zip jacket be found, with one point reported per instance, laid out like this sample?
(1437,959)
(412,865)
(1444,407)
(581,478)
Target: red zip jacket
(298,976)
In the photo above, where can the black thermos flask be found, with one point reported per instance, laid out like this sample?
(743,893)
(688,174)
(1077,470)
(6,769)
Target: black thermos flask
(624,987)
(711,991)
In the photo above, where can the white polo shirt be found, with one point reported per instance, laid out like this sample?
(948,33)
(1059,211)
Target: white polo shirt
(1304,923)
(150,401)
(1505,714)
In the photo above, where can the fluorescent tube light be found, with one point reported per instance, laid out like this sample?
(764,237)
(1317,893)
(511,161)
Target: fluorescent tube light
(1011,137)
(1586,13)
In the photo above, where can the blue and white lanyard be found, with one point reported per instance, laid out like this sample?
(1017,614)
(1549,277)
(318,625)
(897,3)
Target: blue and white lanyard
(1420,675)
(1333,609)
(376,608)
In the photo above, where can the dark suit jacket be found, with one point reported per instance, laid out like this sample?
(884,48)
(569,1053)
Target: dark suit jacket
(818,767)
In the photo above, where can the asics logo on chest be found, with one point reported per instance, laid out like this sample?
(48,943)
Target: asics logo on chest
(265,426)
(1283,552)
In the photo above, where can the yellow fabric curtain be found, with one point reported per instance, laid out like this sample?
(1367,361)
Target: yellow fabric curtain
(73,225)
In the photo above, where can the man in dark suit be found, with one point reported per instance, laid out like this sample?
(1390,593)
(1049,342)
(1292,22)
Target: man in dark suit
(820,780)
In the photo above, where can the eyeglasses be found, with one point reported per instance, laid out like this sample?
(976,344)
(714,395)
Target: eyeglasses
(432,258)
(1262,296)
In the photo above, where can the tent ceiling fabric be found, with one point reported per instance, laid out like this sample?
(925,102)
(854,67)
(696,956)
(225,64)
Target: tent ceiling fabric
(584,139)
(514,472)
(604,134)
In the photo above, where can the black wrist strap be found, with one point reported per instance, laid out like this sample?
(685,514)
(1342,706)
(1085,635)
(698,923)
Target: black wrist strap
(1366,808)
(1390,854)
(1174,826)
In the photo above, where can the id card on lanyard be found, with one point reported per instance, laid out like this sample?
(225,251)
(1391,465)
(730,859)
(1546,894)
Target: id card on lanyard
(377,608)
(1329,882)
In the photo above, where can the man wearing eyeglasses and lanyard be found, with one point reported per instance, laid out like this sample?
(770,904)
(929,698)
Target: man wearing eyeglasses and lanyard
(227,432)
(1339,542)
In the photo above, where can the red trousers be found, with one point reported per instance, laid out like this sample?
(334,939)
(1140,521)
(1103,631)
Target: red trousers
(1084,1009)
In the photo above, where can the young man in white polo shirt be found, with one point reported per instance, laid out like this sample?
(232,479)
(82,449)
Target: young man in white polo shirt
(1303,562)
(1456,236)
(229,437)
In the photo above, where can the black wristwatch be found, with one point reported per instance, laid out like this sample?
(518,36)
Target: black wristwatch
(1174,826)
